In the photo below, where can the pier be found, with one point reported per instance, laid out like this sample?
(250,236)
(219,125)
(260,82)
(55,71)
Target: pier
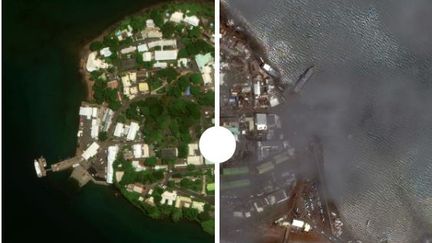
(40,165)
(66,164)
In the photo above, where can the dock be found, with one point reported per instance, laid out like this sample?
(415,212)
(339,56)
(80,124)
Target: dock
(81,175)
(66,164)
(40,167)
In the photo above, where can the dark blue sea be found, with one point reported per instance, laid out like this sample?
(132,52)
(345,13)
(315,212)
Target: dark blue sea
(42,91)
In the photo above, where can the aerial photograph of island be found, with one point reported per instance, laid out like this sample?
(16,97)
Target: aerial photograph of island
(105,104)
(330,104)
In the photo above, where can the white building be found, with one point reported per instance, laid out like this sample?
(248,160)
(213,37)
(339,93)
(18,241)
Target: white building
(90,151)
(168,197)
(132,76)
(257,89)
(126,80)
(111,157)
(301,225)
(94,129)
(198,206)
(176,17)
(147,56)
(118,131)
(86,111)
(168,55)
(274,101)
(105,52)
(160,65)
(94,112)
(128,50)
(137,166)
(94,63)
(205,64)
(161,167)
(194,157)
(142,48)
(150,23)
(133,130)
(192,20)
(195,160)
(140,151)
(183,62)
(127,32)
(261,121)
(163,43)
(153,33)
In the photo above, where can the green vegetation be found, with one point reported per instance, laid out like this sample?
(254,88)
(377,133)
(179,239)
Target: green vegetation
(172,119)
(210,187)
(190,213)
(96,46)
(157,17)
(101,93)
(112,42)
(168,29)
(195,46)
(169,74)
(168,120)
(103,136)
(177,214)
(151,161)
(154,82)
(131,176)
(206,99)
(194,185)
(208,226)
(199,9)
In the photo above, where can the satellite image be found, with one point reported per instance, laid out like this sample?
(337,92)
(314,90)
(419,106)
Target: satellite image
(233,121)
(330,105)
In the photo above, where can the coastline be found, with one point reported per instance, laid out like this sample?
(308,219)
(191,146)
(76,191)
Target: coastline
(84,50)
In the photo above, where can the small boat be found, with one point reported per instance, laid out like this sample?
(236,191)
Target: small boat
(303,79)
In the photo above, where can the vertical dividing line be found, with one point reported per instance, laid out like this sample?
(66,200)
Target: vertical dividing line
(217,63)
(217,202)
(217,115)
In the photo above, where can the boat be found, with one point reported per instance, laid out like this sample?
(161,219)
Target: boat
(303,79)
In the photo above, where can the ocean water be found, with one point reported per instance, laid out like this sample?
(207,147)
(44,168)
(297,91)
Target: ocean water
(370,101)
(42,91)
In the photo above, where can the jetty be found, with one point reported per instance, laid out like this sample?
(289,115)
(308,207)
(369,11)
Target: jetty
(40,165)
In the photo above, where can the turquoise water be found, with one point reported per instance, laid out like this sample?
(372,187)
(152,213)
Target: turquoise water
(42,91)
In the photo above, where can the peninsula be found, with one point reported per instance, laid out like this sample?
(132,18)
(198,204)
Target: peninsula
(150,96)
